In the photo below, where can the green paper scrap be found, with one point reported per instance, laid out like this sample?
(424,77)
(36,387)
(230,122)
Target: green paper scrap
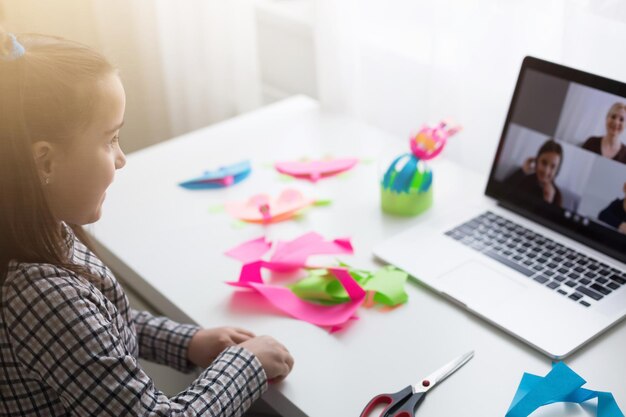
(344,175)
(218,208)
(286,178)
(239,224)
(323,202)
(300,216)
(321,286)
(388,284)
(416,182)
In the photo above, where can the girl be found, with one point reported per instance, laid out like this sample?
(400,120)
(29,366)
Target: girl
(69,342)
(535,179)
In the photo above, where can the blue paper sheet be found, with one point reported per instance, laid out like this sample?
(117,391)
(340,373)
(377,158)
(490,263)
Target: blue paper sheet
(561,384)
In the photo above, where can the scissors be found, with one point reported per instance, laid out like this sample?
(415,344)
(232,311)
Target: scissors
(404,402)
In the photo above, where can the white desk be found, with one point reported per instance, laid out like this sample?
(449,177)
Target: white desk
(168,245)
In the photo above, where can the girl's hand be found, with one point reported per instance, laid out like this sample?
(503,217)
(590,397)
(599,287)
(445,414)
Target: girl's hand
(276,360)
(207,344)
(528,167)
(622,228)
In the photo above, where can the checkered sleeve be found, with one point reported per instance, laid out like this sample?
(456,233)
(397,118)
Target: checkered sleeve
(66,336)
(163,341)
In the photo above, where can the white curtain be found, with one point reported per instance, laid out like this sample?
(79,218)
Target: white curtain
(209,59)
(399,63)
(186,64)
(395,64)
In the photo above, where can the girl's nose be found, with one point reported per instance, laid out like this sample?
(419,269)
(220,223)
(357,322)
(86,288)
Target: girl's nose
(120,161)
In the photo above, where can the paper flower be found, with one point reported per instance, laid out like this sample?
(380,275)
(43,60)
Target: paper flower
(430,141)
(262,208)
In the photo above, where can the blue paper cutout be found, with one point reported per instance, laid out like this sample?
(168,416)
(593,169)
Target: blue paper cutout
(403,181)
(219,178)
(390,172)
(561,384)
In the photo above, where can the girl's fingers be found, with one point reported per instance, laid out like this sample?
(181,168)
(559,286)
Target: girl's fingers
(240,338)
(290,362)
(244,331)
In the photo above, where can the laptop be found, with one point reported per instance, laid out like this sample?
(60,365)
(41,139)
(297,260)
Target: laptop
(542,254)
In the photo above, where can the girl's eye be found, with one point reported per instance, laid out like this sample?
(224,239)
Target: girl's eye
(115,139)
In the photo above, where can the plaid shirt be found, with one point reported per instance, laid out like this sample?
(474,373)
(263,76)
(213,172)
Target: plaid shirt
(69,346)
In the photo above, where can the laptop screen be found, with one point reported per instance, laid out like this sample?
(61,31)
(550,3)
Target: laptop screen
(562,155)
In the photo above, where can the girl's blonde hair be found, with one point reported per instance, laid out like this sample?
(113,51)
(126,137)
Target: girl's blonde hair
(45,94)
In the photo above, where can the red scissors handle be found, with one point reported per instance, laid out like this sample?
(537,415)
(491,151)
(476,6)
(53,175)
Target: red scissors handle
(393,402)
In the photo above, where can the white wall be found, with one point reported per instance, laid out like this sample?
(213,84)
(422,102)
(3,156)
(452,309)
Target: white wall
(124,32)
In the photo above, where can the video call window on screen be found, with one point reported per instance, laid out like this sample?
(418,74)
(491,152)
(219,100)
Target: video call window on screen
(564,150)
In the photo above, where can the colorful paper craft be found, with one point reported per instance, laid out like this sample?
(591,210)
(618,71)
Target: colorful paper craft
(283,298)
(316,169)
(406,188)
(219,178)
(327,296)
(262,208)
(561,384)
(290,256)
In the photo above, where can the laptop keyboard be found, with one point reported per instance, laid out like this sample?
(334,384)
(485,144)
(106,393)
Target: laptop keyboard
(572,274)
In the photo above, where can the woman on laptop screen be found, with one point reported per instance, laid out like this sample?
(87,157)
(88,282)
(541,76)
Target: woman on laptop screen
(610,145)
(535,179)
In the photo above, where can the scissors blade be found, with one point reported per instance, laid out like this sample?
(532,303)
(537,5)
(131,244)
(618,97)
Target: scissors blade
(442,373)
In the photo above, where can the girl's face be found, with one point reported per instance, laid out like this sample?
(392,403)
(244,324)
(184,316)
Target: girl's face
(86,168)
(547,166)
(615,122)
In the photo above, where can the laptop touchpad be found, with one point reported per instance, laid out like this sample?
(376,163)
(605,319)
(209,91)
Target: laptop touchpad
(475,283)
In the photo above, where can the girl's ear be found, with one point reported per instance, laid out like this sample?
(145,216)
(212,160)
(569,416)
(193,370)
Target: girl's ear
(43,153)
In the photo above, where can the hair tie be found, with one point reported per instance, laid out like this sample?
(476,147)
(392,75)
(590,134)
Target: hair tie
(17,50)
